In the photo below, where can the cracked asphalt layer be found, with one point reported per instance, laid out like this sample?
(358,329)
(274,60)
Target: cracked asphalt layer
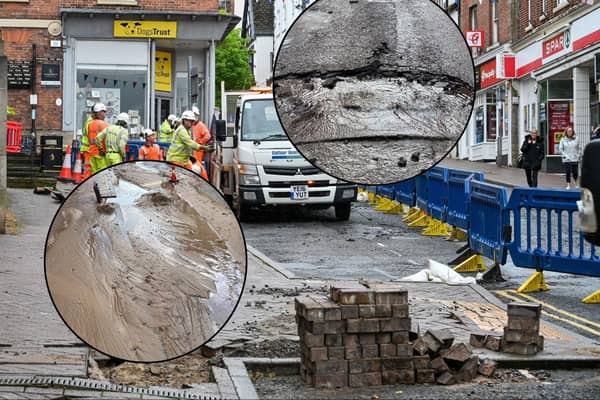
(374,92)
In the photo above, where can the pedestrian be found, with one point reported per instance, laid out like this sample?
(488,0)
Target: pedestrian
(533,154)
(114,139)
(150,150)
(570,150)
(182,143)
(200,134)
(167,128)
(89,145)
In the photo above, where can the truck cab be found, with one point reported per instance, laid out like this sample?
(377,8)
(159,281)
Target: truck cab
(258,166)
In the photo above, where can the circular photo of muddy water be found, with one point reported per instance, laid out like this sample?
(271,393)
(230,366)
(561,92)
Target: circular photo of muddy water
(145,261)
(374,92)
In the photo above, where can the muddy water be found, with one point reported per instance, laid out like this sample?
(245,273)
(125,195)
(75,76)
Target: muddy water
(144,277)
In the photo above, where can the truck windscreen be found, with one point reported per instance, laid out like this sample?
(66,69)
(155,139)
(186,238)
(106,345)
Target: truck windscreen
(260,122)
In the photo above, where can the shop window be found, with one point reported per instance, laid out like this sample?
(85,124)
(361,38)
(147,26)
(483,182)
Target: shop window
(183,92)
(120,88)
(560,89)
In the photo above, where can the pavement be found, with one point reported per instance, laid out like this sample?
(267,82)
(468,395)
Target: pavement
(509,177)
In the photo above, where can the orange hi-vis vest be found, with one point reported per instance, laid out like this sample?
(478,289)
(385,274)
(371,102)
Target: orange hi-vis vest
(200,135)
(150,152)
(95,127)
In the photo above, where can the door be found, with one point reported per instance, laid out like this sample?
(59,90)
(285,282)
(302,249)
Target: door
(162,109)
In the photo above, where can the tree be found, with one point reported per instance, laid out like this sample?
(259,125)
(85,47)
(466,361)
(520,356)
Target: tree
(231,64)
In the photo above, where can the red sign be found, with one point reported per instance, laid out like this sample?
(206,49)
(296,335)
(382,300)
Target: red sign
(559,117)
(488,74)
(510,66)
(474,38)
(555,44)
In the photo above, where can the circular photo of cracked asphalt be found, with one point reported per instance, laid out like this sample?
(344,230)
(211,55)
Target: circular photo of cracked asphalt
(145,261)
(374,91)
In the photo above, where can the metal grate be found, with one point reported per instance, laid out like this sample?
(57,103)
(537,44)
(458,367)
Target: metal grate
(291,171)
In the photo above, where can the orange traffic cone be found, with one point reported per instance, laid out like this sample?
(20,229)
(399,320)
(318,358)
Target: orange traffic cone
(87,167)
(77,170)
(65,171)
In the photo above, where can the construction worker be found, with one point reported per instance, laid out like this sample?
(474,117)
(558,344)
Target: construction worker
(167,128)
(89,146)
(114,139)
(150,150)
(200,134)
(182,143)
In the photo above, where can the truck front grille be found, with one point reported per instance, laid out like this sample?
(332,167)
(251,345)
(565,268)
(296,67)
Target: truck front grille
(291,171)
(287,184)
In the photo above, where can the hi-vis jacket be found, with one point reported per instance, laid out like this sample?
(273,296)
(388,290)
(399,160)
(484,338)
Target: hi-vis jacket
(181,145)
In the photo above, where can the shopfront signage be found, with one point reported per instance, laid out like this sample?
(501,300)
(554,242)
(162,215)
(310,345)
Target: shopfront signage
(559,117)
(556,46)
(19,74)
(474,38)
(488,74)
(51,74)
(145,29)
(162,71)
(506,66)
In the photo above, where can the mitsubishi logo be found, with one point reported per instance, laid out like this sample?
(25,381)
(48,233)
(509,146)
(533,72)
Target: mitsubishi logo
(298,172)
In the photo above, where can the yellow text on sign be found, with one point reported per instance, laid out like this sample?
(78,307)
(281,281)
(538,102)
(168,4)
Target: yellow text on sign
(162,71)
(146,29)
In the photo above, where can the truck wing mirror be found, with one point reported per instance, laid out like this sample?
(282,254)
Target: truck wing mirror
(221,130)
(589,205)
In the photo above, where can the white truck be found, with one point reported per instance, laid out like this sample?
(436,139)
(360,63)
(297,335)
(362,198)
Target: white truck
(256,165)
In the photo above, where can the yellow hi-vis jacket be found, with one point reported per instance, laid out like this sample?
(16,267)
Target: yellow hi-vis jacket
(181,145)
(166,132)
(85,140)
(115,139)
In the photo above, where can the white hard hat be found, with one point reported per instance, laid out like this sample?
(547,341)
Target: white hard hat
(123,117)
(196,110)
(99,107)
(189,115)
(172,117)
(148,132)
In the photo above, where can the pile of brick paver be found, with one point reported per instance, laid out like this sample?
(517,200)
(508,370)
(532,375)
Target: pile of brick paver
(362,337)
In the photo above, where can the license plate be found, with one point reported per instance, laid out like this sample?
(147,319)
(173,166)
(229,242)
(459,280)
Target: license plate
(299,192)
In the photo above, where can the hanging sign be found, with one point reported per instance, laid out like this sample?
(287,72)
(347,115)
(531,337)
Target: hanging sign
(145,29)
(162,71)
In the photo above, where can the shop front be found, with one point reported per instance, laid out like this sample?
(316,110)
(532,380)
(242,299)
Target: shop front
(148,64)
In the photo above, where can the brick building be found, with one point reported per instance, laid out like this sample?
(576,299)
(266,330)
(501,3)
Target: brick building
(148,58)
(556,44)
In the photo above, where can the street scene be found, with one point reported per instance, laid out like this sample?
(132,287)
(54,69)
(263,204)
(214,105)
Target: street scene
(124,182)
(397,94)
(120,250)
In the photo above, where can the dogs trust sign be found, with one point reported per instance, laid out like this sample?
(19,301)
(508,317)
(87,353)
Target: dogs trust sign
(145,29)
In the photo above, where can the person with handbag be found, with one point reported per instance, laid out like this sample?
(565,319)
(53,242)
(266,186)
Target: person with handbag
(570,151)
(533,154)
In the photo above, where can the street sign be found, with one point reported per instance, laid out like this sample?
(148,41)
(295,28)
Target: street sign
(474,38)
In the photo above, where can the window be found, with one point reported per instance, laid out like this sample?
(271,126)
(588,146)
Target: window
(473,18)
(529,12)
(560,4)
(495,22)
(544,7)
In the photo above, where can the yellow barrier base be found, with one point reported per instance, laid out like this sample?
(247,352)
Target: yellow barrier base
(436,228)
(457,234)
(593,298)
(371,196)
(413,214)
(535,283)
(396,208)
(420,222)
(383,204)
(471,264)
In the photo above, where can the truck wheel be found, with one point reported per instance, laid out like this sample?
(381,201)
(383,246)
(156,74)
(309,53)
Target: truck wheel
(342,211)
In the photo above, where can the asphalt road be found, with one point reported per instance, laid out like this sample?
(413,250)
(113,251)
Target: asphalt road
(374,245)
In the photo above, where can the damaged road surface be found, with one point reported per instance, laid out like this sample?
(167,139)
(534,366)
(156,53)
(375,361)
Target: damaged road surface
(369,92)
(150,274)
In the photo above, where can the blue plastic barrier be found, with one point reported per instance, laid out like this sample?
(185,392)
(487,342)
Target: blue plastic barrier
(437,192)
(387,191)
(406,192)
(421,192)
(458,196)
(489,219)
(134,148)
(546,236)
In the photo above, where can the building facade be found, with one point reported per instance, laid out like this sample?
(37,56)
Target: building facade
(258,27)
(555,44)
(148,58)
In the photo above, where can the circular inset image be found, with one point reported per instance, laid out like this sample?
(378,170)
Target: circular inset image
(374,92)
(145,261)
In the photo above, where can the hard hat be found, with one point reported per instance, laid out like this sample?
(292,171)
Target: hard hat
(123,117)
(172,117)
(196,110)
(189,115)
(148,132)
(99,107)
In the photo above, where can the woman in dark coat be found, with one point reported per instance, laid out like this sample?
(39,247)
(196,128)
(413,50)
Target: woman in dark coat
(533,154)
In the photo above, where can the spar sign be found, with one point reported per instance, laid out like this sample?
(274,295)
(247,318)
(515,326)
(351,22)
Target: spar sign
(556,46)
(474,38)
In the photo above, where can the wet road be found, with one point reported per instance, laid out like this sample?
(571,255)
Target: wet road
(374,245)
